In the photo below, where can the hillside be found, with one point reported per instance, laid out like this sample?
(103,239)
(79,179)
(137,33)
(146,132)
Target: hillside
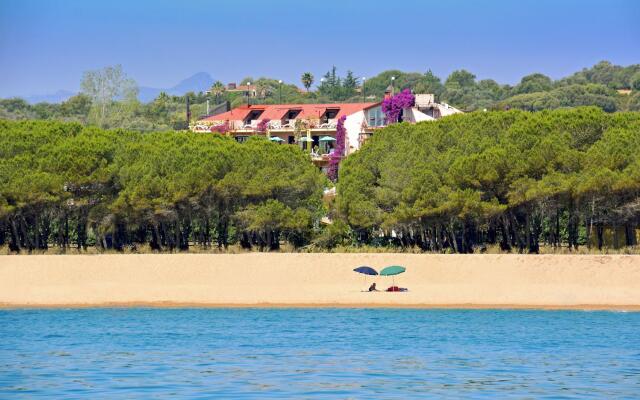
(609,87)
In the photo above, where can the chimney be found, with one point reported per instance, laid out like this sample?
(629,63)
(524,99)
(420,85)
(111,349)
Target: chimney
(388,92)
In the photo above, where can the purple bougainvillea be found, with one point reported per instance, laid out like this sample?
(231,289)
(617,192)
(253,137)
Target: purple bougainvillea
(262,125)
(221,129)
(338,153)
(392,106)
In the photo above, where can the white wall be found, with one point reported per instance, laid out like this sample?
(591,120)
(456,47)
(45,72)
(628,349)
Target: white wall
(353,125)
(414,115)
(448,110)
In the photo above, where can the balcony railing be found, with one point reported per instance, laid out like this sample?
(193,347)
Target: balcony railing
(286,125)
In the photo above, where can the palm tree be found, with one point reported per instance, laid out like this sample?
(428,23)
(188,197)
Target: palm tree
(217,89)
(307,80)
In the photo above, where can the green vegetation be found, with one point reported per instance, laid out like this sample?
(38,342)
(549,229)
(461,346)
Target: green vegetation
(108,100)
(513,178)
(65,185)
(307,80)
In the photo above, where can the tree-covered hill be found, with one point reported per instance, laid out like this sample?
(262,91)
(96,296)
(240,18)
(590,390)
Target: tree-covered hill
(513,178)
(65,185)
(510,179)
(604,85)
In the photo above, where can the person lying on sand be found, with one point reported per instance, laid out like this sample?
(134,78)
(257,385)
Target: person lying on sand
(397,289)
(372,288)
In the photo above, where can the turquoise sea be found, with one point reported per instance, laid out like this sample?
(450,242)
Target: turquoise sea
(318,353)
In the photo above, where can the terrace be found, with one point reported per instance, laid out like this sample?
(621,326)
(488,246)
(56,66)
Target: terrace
(312,127)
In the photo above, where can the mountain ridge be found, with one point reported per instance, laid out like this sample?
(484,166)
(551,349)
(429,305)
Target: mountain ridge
(200,81)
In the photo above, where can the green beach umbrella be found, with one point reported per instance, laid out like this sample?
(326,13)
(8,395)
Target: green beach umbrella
(276,139)
(392,271)
(305,139)
(327,139)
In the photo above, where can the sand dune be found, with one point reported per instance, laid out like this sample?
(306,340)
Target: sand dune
(255,279)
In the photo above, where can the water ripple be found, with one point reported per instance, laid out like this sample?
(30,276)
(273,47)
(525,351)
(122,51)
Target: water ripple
(318,353)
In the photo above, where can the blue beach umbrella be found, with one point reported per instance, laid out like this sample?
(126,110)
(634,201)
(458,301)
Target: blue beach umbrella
(364,270)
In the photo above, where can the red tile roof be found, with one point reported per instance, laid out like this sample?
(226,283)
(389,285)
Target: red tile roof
(239,113)
(279,111)
(274,113)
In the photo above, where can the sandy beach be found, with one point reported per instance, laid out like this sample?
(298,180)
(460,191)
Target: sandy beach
(327,280)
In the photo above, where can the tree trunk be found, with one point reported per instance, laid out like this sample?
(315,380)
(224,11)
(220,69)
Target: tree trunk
(572,227)
(14,244)
(245,241)
(155,237)
(223,232)
(516,232)
(593,211)
(81,229)
(66,231)
(527,227)
(558,240)
(452,237)
(36,230)
(600,234)
(629,235)
(28,243)
(504,229)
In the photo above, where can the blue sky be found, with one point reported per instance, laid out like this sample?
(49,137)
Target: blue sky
(46,45)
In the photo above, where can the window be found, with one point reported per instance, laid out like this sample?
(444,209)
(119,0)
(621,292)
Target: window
(375,117)
(331,113)
(292,114)
(241,139)
(253,115)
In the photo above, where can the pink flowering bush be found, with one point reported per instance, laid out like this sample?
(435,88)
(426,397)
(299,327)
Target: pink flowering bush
(339,150)
(392,106)
(222,129)
(262,125)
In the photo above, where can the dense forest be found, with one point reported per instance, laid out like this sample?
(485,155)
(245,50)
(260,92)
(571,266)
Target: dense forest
(607,86)
(513,180)
(65,185)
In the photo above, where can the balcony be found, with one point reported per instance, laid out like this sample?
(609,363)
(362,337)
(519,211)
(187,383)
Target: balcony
(284,125)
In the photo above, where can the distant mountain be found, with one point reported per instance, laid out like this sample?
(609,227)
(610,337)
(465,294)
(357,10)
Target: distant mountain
(198,82)
(195,83)
(57,97)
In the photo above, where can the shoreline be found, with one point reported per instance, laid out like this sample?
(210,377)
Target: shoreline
(363,306)
(303,280)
